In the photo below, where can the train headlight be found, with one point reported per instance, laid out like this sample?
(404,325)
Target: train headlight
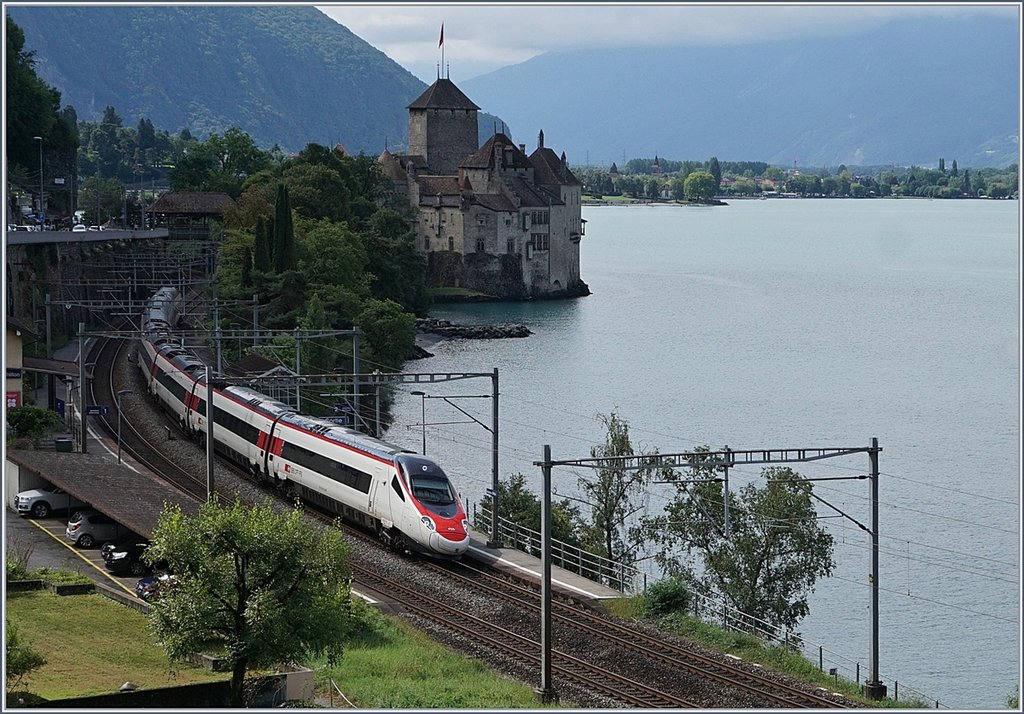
(465,525)
(428,522)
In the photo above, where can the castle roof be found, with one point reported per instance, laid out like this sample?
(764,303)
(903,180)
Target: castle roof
(443,94)
(530,194)
(495,202)
(483,158)
(550,170)
(445,186)
(391,166)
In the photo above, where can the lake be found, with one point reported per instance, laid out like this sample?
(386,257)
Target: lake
(793,324)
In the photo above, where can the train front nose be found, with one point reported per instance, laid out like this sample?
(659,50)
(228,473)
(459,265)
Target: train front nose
(450,544)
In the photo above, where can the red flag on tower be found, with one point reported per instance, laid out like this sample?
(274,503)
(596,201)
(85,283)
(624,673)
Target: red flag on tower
(441,41)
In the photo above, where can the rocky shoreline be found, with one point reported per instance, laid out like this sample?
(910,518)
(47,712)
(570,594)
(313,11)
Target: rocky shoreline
(431,330)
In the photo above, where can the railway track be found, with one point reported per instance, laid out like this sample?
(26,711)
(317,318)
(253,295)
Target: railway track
(583,633)
(630,639)
(106,355)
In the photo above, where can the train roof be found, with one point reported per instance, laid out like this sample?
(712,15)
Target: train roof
(345,436)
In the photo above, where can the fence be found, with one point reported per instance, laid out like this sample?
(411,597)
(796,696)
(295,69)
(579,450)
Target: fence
(620,576)
(708,607)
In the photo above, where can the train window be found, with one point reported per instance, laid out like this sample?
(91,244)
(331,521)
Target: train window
(432,490)
(397,488)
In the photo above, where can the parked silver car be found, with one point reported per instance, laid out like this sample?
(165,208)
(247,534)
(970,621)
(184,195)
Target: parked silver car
(40,502)
(87,528)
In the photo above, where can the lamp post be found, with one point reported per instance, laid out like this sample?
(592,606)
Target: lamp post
(120,393)
(423,417)
(40,214)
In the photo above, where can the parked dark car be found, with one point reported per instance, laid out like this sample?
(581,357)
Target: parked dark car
(122,539)
(126,557)
(149,587)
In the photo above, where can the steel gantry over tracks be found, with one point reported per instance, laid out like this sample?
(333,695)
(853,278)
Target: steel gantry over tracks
(725,459)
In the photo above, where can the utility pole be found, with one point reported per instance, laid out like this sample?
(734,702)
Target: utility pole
(873,687)
(546,692)
(209,435)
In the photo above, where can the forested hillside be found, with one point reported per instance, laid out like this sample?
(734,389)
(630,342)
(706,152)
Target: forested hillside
(286,75)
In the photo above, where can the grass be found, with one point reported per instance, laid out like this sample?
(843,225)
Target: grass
(752,649)
(92,645)
(390,665)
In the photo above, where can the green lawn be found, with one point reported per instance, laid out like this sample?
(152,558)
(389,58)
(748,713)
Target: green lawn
(92,645)
(390,665)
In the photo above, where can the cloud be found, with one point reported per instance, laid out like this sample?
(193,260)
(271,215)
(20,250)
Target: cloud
(485,37)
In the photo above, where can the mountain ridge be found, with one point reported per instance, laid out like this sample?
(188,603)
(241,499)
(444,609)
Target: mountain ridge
(908,93)
(286,75)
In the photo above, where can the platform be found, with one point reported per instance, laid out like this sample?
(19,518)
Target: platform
(521,564)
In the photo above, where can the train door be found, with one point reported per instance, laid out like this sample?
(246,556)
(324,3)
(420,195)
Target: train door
(381,494)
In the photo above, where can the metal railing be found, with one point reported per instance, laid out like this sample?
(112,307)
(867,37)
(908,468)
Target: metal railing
(711,608)
(625,578)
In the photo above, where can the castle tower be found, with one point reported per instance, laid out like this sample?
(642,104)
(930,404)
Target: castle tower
(443,127)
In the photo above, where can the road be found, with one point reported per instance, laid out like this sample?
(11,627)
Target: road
(44,542)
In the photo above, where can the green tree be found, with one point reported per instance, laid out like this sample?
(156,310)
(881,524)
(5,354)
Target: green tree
(519,505)
(653,188)
(399,270)
(715,169)
(261,247)
(264,586)
(774,552)
(284,253)
(32,422)
(20,659)
(389,333)
(31,104)
(615,496)
(699,186)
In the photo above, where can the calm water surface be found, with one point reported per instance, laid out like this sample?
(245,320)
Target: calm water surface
(795,324)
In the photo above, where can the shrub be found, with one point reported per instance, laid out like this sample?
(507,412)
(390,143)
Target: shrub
(21,659)
(666,597)
(32,422)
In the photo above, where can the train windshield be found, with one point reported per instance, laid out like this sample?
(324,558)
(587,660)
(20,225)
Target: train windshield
(428,489)
(427,481)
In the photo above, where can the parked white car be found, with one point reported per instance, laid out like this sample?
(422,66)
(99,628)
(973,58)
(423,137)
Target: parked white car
(79,228)
(40,502)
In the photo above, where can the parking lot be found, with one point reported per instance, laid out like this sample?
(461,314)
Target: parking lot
(44,541)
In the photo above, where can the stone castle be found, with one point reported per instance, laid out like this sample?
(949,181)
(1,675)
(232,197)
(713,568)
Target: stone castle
(489,218)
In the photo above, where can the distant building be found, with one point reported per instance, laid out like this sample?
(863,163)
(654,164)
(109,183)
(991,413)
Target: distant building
(490,218)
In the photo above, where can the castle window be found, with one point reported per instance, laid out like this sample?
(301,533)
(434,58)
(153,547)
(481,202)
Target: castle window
(510,246)
(539,217)
(426,243)
(479,245)
(540,241)
(451,243)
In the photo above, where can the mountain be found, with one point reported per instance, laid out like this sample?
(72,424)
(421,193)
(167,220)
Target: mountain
(288,75)
(909,92)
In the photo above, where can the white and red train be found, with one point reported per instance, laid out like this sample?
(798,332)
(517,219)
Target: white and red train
(406,498)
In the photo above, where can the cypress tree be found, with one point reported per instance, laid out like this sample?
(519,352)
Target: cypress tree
(261,248)
(284,236)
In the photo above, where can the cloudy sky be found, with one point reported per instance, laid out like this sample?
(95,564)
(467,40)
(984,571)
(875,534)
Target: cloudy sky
(482,37)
